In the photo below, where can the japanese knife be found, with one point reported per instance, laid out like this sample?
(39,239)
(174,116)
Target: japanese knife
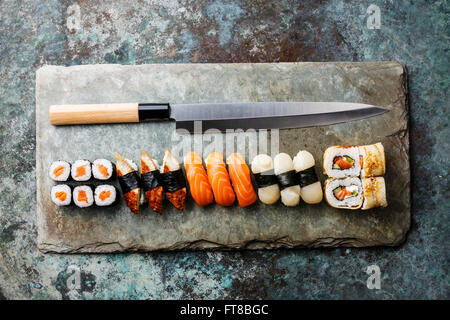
(221,116)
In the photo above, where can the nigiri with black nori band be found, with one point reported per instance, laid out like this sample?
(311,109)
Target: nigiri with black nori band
(310,187)
(268,188)
(129,182)
(151,183)
(174,182)
(285,172)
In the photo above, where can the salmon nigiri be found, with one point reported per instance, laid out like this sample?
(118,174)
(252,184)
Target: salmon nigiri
(151,183)
(240,177)
(199,186)
(174,182)
(219,179)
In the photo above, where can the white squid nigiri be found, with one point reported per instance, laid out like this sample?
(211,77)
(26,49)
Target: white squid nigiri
(268,194)
(290,195)
(311,193)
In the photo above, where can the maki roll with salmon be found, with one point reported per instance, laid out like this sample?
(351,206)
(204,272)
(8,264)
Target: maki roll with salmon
(240,178)
(129,182)
(83,197)
(199,185)
(105,195)
(287,179)
(310,187)
(103,169)
(268,189)
(341,162)
(372,160)
(374,192)
(173,180)
(151,182)
(60,171)
(344,193)
(81,170)
(219,179)
(61,195)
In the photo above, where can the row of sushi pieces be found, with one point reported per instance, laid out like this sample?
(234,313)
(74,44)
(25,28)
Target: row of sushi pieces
(281,177)
(82,170)
(84,196)
(355,176)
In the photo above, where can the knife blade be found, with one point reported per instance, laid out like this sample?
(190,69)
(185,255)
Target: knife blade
(221,116)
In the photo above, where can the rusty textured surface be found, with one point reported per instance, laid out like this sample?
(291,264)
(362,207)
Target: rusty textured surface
(34,33)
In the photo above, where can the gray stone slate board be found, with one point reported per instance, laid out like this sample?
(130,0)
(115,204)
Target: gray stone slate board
(73,230)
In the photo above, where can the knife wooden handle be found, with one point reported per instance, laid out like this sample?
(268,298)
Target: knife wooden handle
(93,113)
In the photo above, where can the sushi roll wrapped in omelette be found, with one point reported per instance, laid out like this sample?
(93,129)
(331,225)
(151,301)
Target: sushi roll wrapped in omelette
(287,179)
(105,195)
(341,162)
(60,171)
(240,179)
(61,195)
(219,179)
(268,188)
(372,160)
(173,180)
(103,169)
(344,193)
(81,170)
(374,192)
(310,187)
(199,185)
(151,182)
(129,182)
(83,196)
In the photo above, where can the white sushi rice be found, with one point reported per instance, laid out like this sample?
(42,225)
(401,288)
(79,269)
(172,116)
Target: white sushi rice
(108,201)
(64,175)
(89,196)
(61,188)
(303,160)
(349,202)
(96,172)
(88,173)
(332,152)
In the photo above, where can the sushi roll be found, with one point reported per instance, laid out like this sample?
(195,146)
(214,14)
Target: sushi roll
(240,178)
(173,180)
(105,195)
(81,170)
(285,173)
(372,160)
(374,192)
(268,189)
(341,162)
(61,195)
(83,196)
(199,185)
(60,171)
(310,187)
(151,182)
(344,193)
(129,182)
(219,179)
(103,169)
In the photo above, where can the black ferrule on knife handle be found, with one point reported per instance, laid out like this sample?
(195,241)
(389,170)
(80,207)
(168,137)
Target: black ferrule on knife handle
(152,111)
